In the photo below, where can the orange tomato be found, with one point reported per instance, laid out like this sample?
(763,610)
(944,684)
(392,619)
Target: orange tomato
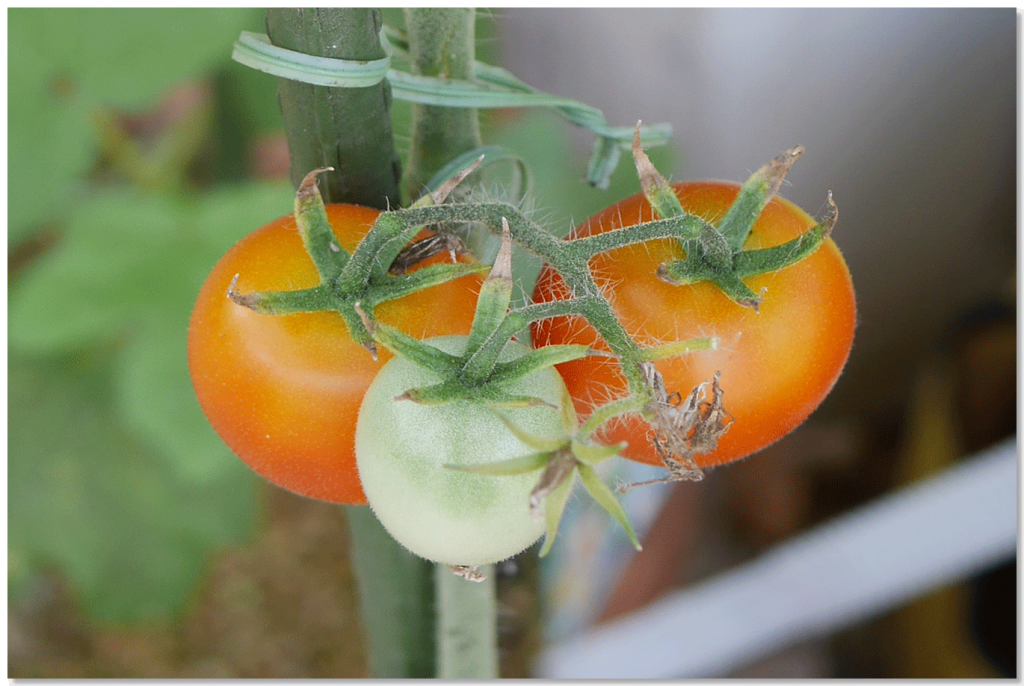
(283,391)
(777,365)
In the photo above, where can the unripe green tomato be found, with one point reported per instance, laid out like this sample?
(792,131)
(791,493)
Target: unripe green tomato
(402,447)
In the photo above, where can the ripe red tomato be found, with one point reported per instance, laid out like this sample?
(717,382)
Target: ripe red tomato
(283,391)
(777,365)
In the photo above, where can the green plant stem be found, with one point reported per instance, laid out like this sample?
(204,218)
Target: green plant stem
(395,592)
(467,632)
(350,129)
(441,43)
(345,128)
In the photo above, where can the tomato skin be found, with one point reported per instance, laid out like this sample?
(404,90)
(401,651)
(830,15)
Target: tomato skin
(283,391)
(777,364)
(447,515)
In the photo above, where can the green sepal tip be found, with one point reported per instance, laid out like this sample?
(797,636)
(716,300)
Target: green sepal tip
(512,467)
(538,443)
(554,507)
(757,192)
(606,499)
(593,453)
(535,360)
(315,229)
(491,307)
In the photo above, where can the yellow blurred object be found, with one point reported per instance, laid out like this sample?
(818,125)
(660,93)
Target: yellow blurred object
(933,635)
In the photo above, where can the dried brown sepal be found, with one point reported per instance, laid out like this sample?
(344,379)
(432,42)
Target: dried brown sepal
(466,572)
(683,428)
(250,300)
(776,170)
(440,241)
(371,347)
(558,469)
(502,268)
(308,188)
(414,253)
(445,189)
(367,322)
(655,187)
(754,303)
(645,169)
(831,215)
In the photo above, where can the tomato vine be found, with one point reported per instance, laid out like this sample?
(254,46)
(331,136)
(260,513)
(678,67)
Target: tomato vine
(685,422)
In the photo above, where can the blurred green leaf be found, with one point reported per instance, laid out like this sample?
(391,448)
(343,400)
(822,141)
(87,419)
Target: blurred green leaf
(155,399)
(125,57)
(252,98)
(65,62)
(115,477)
(227,213)
(124,254)
(129,268)
(96,279)
(50,139)
(85,497)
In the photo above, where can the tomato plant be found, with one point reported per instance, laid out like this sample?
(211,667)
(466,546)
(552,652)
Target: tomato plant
(777,362)
(406,452)
(284,391)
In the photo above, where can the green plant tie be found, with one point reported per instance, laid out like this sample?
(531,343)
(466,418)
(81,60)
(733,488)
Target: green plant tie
(255,50)
(493,87)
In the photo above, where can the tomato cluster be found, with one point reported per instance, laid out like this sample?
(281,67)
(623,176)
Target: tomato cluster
(312,411)
(777,363)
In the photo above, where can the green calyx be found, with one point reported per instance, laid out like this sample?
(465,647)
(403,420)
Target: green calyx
(357,281)
(715,253)
(476,374)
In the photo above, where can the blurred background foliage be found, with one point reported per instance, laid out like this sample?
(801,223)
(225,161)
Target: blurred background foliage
(120,198)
